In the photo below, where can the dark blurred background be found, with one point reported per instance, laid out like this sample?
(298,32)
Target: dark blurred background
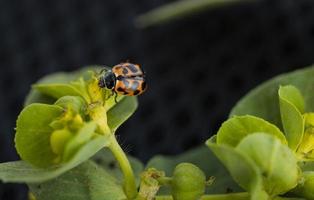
(197,67)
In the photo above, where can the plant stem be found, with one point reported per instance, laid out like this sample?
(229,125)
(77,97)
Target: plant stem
(164,180)
(129,179)
(98,114)
(233,196)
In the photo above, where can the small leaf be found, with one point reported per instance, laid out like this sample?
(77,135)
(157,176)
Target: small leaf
(74,102)
(35,96)
(274,161)
(121,112)
(81,86)
(82,137)
(242,169)
(57,90)
(236,128)
(85,182)
(32,139)
(291,107)
(58,140)
(293,95)
(21,171)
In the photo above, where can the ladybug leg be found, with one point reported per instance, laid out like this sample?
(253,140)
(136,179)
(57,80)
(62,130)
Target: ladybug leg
(110,95)
(115,97)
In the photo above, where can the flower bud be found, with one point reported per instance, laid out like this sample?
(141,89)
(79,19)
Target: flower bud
(307,145)
(58,140)
(188,182)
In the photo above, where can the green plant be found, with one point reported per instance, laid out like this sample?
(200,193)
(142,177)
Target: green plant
(65,136)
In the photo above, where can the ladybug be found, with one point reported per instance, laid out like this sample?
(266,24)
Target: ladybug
(124,78)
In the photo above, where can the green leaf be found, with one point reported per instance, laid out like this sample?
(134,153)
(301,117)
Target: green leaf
(105,159)
(74,102)
(274,161)
(62,78)
(57,90)
(242,169)
(293,96)
(291,107)
(179,9)
(236,128)
(82,137)
(21,171)
(85,182)
(206,161)
(121,112)
(263,100)
(37,97)
(32,139)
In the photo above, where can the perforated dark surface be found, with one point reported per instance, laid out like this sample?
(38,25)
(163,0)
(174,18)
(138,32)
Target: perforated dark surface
(197,68)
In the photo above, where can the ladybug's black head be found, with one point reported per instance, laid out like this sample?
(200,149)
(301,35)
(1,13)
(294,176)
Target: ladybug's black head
(108,80)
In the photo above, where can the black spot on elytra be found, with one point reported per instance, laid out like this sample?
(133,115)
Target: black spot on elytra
(132,68)
(120,77)
(136,92)
(125,71)
(120,89)
(135,85)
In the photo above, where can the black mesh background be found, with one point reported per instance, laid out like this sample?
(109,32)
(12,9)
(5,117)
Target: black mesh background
(197,68)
